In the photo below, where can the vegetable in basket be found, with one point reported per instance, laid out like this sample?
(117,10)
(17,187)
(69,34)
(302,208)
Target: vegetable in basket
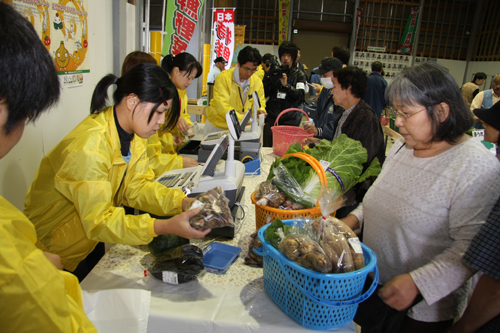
(344,159)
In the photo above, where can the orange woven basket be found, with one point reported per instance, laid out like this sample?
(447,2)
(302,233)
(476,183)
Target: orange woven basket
(266,214)
(284,136)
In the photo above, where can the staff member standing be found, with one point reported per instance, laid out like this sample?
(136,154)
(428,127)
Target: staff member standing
(233,90)
(76,198)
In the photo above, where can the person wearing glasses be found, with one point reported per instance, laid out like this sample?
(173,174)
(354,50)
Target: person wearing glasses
(436,188)
(286,88)
(76,198)
(233,90)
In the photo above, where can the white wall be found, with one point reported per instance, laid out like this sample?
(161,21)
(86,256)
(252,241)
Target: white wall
(18,168)
(490,68)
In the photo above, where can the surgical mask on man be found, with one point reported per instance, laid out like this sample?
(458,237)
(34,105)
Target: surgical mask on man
(327,82)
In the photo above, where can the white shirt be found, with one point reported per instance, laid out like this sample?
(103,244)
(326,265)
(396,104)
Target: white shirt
(420,216)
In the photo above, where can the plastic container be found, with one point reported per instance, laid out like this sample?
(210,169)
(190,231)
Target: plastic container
(265,214)
(284,136)
(315,300)
(217,257)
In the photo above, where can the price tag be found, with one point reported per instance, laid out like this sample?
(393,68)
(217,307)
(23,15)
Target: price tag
(170,277)
(300,85)
(281,95)
(197,204)
(355,244)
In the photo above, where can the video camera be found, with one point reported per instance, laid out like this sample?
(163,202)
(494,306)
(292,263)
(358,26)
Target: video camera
(275,69)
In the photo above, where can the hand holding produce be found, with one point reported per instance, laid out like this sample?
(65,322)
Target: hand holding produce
(214,213)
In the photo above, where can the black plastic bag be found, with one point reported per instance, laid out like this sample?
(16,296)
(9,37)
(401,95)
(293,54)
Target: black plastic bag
(179,265)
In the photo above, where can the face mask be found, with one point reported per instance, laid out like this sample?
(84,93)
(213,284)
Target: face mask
(327,82)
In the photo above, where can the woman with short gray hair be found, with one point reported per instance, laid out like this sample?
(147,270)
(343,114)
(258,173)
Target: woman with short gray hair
(435,189)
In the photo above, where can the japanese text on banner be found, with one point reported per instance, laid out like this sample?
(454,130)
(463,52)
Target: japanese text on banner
(223,35)
(181,19)
(284,6)
(406,43)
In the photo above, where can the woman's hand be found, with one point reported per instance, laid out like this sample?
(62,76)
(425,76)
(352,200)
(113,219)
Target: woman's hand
(186,203)
(307,141)
(400,292)
(189,162)
(182,125)
(179,225)
(311,129)
(177,140)
(259,112)
(54,259)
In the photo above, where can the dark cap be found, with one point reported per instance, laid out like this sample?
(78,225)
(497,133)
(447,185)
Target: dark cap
(490,116)
(328,64)
(220,59)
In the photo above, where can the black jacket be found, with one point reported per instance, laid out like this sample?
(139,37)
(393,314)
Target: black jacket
(293,97)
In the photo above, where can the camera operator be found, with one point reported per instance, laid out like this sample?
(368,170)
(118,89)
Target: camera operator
(285,86)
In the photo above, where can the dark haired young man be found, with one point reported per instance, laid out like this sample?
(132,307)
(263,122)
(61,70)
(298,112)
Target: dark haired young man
(233,89)
(37,296)
(286,88)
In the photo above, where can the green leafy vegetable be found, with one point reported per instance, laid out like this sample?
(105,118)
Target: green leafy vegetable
(344,155)
(272,235)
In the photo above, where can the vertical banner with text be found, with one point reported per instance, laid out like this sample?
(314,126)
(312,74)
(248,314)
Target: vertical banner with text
(223,35)
(63,29)
(406,43)
(359,13)
(180,22)
(239,41)
(284,6)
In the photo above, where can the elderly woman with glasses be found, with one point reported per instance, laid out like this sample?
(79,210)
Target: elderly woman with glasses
(436,188)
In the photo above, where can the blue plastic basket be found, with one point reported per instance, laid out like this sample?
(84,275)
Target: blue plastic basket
(315,300)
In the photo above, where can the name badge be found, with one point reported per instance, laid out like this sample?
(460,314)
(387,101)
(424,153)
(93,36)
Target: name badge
(281,95)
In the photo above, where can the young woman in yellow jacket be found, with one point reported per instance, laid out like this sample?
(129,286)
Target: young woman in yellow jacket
(35,295)
(76,198)
(162,147)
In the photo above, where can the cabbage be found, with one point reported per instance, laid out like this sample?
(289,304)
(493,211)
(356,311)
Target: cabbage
(344,156)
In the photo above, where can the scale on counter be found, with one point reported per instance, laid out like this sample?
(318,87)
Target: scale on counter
(214,172)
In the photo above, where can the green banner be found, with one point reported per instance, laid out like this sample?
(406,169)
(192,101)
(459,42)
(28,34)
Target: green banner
(406,43)
(180,22)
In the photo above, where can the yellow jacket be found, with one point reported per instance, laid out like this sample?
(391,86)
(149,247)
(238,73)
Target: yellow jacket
(75,199)
(36,297)
(227,96)
(162,153)
(260,72)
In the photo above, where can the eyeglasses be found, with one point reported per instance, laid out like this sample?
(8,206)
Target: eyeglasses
(246,69)
(406,116)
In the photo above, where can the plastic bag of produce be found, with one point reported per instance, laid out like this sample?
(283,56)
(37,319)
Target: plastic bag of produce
(305,252)
(214,213)
(179,265)
(339,242)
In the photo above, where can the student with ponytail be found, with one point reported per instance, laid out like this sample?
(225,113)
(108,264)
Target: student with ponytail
(162,147)
(76,198)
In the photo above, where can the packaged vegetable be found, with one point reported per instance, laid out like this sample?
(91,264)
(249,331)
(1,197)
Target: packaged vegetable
(253,259)
(179,265)
(339,242)
(214,213)
(305,252)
